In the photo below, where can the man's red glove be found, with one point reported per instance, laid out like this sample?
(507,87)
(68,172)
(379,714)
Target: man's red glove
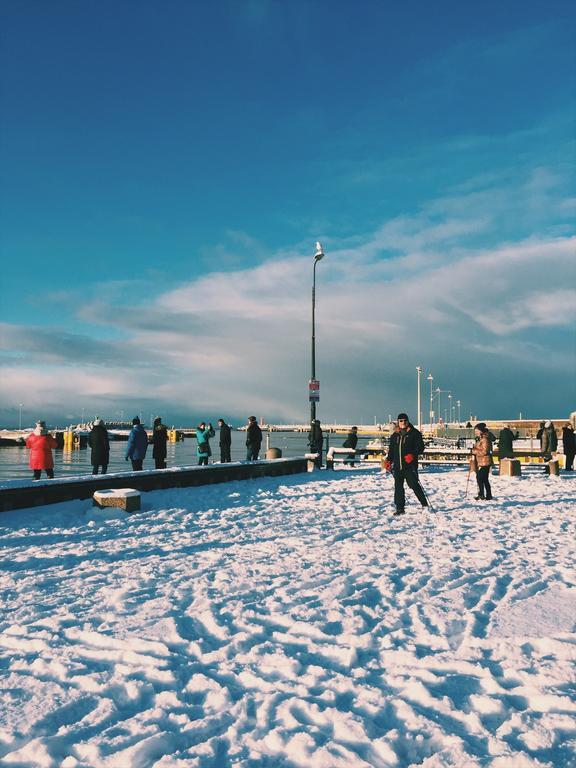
(409,458)
(387,465)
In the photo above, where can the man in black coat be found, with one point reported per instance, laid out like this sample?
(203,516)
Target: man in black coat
(316,441)
(505,443)
(253,439)
(351,442)
(405,446)
(100,445)
(159,440)
(225,441)
(569,445)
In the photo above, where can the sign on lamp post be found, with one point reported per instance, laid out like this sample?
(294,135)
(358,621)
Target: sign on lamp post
(314,391)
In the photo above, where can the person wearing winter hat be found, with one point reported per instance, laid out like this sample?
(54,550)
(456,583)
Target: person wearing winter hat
(41,443)
(548,444)
(406,444)
(100,444)
(203,449)
(253,439)
(137,445)
(159,440)
(482,450)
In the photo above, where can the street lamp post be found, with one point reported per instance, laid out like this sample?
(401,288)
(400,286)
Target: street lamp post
(319,254)
(431,379)
(458,404)
(450,408)
(439,394)
(419,371)
(20,406)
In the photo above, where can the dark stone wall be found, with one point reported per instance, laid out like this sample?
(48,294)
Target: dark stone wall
(68,489)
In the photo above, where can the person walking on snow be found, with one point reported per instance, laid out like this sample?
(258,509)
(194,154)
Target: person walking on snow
(482,450)
(203,435)
(569,444)
(225,441)
(100,445)
(41,443)
(406,444)
(137,445)
(159,440)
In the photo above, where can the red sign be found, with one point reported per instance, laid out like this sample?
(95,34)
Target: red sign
(314,391)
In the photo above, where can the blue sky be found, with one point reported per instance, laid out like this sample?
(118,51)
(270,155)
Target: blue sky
(167,168)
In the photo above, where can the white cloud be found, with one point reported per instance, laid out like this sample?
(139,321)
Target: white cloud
(417,290)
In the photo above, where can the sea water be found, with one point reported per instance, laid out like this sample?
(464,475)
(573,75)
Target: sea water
(14,459)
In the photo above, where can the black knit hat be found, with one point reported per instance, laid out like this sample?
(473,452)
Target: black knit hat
(403,416)
(135,420)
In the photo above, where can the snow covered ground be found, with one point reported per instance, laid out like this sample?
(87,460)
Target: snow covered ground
(292,622)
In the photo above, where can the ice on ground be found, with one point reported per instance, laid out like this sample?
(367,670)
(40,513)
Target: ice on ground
(293,622)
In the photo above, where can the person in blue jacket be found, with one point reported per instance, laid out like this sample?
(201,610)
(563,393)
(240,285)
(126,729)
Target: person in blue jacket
(203,435)
(137,444)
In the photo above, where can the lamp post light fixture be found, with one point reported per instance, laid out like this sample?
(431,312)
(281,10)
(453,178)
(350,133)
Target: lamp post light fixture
(314,386)
(439,394)
(20,406)
(431,379)
(419,371)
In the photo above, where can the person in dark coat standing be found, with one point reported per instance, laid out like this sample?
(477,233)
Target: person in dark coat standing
(253,439)
(137,445)
(159,441)
(406,444)
(100,444)
(316,441)
(351,442)
(41,443)
(569,445)
(548,444)
(225,441)
(505,443)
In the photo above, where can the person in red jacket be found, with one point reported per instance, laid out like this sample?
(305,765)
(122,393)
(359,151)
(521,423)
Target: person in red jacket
(41,443)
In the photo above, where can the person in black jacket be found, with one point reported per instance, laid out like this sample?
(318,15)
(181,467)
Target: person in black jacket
(351,442)
(548,444)
(100,445)
(505,443)
(225,441)
(159,440)
(569,445)
(405,446)
(253,439)
(316,441)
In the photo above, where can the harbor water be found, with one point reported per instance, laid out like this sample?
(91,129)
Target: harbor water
(67,463)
